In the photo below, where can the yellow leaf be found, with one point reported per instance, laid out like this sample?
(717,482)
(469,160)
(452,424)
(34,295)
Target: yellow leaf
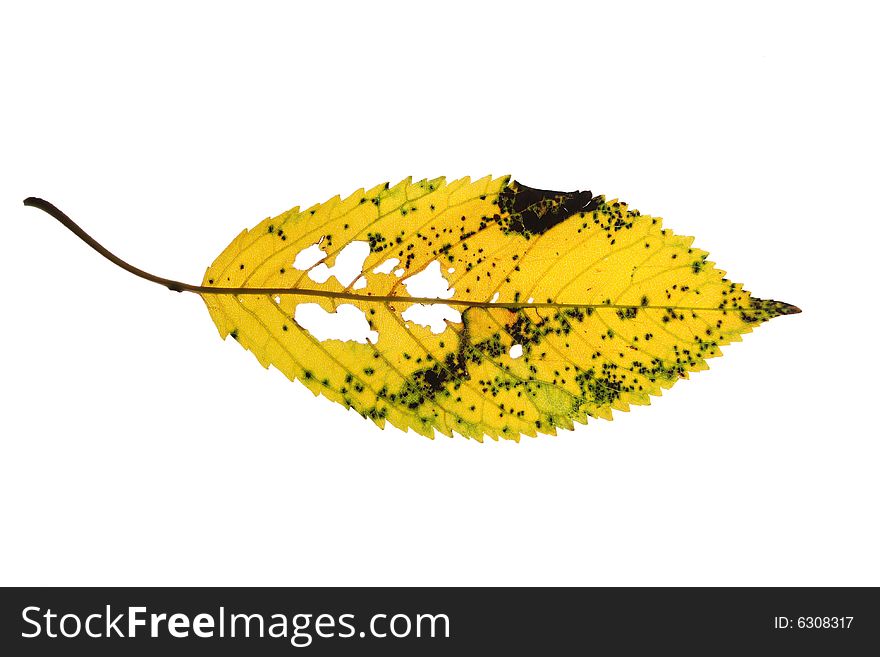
(620,308)
(561,306)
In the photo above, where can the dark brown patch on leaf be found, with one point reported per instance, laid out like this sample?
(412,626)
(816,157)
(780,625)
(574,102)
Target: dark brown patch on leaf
(535,211)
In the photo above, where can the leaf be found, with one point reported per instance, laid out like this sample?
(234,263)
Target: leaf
(570,306)
(560,306)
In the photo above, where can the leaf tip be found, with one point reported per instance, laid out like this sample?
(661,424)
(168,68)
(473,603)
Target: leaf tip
(762,310)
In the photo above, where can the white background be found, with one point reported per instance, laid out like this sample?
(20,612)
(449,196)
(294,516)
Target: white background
(139,449)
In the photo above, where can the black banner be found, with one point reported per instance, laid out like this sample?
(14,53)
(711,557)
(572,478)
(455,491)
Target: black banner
(436,621)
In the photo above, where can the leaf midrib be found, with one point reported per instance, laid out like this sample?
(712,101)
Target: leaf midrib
(330,294)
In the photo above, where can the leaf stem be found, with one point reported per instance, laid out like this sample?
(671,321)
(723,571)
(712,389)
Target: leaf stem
(73,227)
(179,286)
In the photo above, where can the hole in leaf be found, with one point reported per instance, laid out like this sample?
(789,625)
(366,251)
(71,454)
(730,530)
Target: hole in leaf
(429,283)
(309,257)
(360,283)
(347,266)
(348,323)
(516,351)
(386,267)
(433,315)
